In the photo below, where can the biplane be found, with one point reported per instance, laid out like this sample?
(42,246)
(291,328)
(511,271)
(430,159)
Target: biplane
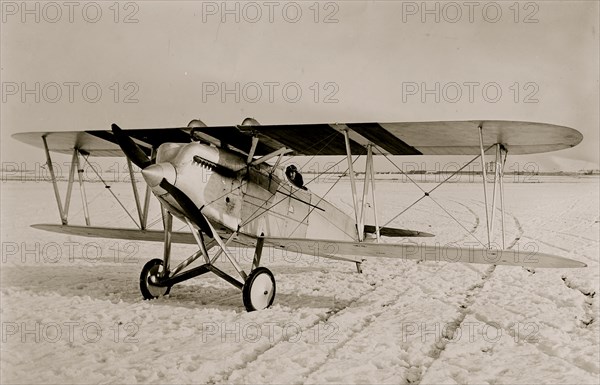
(229,186)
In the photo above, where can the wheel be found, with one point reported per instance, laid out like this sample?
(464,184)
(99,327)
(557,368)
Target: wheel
(148,276)
(259,289)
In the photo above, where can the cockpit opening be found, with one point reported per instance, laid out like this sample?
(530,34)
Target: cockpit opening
(294,176)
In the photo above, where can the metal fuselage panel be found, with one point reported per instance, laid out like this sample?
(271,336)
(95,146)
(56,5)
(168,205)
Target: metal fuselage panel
(274,207)
(258,200)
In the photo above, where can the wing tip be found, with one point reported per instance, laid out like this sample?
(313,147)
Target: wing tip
(560,262)
(578,264)
(572,263)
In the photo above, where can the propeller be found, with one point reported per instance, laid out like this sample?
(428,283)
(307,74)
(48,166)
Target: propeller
(140,159)
(130,148)
(190,210)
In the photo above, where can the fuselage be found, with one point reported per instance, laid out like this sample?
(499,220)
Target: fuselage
(255,200)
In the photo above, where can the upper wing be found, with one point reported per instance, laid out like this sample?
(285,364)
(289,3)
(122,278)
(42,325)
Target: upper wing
(409,138)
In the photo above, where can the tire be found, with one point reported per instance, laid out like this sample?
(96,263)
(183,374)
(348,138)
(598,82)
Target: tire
(259,289)
(151,269)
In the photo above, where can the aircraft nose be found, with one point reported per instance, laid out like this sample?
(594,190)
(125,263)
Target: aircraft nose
(155,173)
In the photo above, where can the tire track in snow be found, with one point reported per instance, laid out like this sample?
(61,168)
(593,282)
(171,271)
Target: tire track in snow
(537,240)
(224,377)
(575,250)
(520,231)
(543,224)
(382,302)
(463,310)
(589,316)
(361,325)
(372,316)
(567,235)
(356,327)
(386,307)
(476,223)
(366,322)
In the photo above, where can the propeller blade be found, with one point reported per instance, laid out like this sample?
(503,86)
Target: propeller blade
(190,210)
(130,148)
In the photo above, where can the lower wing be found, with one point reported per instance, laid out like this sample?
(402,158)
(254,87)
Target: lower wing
(342,249)
(345,250)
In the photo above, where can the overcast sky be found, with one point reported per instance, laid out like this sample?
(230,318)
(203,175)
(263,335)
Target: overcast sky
(300,62)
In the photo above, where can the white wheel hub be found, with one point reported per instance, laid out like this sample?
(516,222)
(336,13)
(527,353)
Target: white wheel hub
(261,291)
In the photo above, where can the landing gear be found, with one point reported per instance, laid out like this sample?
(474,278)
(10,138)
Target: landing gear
(258,291)
(157,277)
(149,277)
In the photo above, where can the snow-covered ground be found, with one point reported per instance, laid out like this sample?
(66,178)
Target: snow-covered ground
(72,312)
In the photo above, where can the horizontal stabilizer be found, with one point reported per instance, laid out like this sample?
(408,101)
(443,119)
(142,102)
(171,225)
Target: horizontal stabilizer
(391,232)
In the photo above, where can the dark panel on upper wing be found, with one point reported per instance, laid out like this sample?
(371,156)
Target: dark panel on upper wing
(383,138)
(310,139)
